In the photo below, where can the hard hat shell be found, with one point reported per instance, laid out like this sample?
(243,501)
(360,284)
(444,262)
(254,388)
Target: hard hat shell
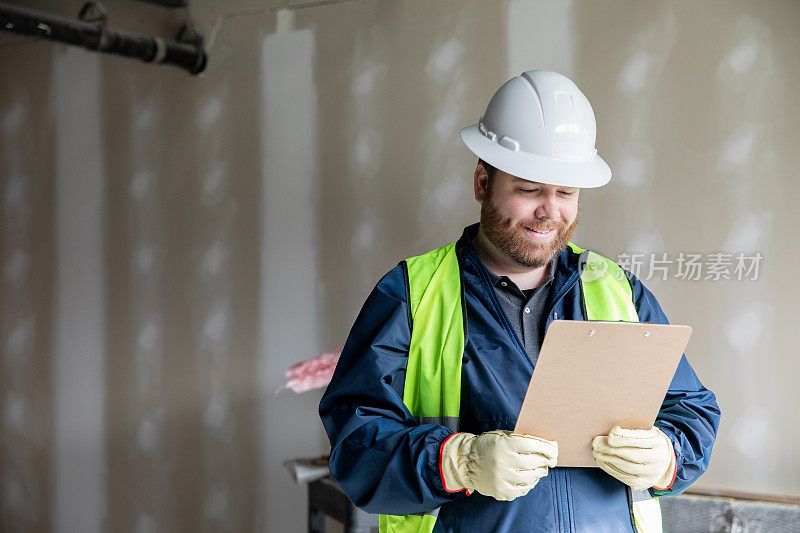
(539,126)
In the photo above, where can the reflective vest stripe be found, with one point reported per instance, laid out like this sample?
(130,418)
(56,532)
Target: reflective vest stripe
(450,422)
(433,375)
(605,290)
(432,390)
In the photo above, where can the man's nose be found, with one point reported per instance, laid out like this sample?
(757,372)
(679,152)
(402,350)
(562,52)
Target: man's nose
(548,208)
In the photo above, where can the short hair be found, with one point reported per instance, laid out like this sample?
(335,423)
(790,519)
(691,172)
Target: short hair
(490,170)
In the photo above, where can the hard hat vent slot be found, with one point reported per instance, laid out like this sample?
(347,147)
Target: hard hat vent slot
(508,142)
(492,136)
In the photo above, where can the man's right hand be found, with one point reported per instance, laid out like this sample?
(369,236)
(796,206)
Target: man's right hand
(500,464)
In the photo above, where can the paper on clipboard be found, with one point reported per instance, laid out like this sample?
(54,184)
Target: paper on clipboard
(591,376)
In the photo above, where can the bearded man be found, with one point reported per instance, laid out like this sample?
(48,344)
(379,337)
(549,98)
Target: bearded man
(421,408)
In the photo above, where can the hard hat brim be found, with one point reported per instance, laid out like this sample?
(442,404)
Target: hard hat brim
(582,174)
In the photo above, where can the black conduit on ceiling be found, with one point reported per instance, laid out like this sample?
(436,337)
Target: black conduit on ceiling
(97,37)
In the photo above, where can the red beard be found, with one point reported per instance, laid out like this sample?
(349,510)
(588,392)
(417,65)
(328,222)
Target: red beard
(515,243)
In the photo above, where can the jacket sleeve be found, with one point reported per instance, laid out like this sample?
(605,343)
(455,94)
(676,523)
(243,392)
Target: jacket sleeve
(382,459)
(689,414)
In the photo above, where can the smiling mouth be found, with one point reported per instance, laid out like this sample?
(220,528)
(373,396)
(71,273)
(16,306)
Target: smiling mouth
(541,232)
(541,237)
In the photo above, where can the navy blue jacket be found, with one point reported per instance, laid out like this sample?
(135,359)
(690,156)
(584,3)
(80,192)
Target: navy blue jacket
(388,464)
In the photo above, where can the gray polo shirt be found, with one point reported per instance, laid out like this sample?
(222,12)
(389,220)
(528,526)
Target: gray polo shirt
(525,309)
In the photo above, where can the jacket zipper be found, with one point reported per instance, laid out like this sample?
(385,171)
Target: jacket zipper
(563,506)
(557,488)
(570,518)
(567,287)
(560,480)
(564,488)
(460,260)
(564,502)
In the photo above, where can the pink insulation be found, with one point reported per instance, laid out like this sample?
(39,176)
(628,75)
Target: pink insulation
(314,373)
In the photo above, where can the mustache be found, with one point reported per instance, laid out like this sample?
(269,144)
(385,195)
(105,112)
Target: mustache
(543,226)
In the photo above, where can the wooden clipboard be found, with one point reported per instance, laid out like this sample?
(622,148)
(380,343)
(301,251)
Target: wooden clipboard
(591,376)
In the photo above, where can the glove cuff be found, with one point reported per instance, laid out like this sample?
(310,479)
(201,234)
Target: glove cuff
(452,460)
(666,480)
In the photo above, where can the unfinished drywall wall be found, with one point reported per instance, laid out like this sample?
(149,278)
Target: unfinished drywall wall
(698,115)
(170,245)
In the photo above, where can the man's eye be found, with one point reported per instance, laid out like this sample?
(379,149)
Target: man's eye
(529,190)
(566,193)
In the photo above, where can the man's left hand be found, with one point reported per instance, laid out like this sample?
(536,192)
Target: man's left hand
(640,458)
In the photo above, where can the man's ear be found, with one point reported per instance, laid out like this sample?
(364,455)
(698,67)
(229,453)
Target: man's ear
(481,183)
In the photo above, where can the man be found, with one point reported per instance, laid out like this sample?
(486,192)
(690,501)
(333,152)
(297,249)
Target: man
(433,374)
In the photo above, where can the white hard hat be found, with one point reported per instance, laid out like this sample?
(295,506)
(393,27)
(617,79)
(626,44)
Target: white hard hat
(539,126)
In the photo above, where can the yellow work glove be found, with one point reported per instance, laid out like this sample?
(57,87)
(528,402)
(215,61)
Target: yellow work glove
(640,458)
(500,464)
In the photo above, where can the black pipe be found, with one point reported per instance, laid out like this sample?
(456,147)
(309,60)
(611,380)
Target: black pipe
(98,38)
